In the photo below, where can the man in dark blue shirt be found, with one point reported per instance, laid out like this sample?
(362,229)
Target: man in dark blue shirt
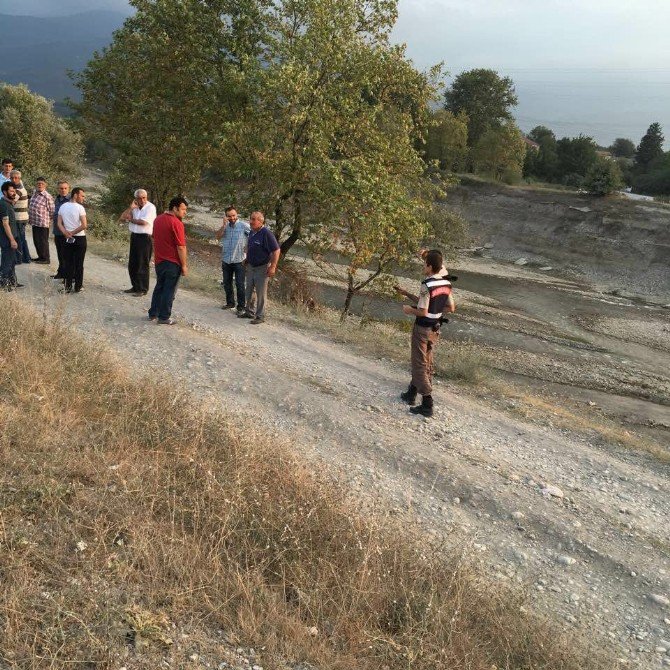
(59,239)
(262,258)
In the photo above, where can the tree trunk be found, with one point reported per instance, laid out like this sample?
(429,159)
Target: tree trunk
(296,229)
(351,291)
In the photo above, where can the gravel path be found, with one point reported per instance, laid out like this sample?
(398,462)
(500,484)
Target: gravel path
(585,526)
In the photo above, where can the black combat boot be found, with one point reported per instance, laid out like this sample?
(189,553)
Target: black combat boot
(409,396)
(425,408)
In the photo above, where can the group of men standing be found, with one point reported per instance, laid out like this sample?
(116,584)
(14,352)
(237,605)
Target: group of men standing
(64,214)
(250,253)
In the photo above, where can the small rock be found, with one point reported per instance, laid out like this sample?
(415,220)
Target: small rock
(546,268)
(488,245)
(457,501)
(563,559)
(521,261)
(660,600)
(518,515)
(553,491)
(313,631)
(81,545)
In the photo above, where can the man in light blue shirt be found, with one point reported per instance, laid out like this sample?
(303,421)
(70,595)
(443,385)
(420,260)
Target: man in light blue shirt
(234,236)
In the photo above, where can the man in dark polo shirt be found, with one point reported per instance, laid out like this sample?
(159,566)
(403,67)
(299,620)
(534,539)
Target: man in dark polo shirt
(9,238)
(170,259)
(262,258)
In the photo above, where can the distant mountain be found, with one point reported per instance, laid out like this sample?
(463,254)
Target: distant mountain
(39,51)
(62,7)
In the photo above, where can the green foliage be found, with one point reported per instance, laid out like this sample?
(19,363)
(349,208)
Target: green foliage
(543,162)
(604,177)
(105,227)
(160,92)
(39,142)
(447,141)
(622,148)
(485,97)
(576,156)
(650,148)
(656,181)
(500,153)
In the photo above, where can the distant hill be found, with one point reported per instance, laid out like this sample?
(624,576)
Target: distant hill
(38,51)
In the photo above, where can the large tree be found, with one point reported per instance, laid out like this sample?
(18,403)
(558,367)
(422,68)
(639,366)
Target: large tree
(604,177)
(164,88)
(650,148)
(38,141)
(333,115)
(486,98)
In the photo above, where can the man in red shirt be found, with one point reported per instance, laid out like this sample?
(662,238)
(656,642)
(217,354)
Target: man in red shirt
(170,259)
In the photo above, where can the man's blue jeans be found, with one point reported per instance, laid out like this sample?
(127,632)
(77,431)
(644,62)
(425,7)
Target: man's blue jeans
(167,278)
(230,271)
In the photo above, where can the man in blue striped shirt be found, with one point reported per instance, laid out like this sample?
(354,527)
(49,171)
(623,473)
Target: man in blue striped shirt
(235,234)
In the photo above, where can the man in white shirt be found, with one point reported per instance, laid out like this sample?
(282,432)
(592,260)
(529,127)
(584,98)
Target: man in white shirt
(140,217)
(72,223)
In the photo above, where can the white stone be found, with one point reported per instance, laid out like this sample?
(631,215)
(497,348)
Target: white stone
(554,491)
(659,599)
(563,559)
(521,261)
(313,631)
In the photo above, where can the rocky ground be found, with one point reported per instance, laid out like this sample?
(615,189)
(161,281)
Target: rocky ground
(581,523)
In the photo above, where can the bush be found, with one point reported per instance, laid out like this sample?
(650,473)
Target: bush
(105,227)
(603,178)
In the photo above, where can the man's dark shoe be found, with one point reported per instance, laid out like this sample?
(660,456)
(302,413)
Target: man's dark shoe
(425,408)
(56,276)
(256,321)
(166,322)
(409,396)
(139,294)
(42,261)
(246,315)
(227,306)
(130,290)
(17,285)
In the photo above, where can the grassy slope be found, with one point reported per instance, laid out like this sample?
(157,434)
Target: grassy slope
(130,518)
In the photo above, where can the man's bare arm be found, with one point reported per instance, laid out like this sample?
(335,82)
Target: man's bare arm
(274,259)
(183,260)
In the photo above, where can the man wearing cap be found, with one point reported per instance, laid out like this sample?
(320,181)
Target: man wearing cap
(140,217)
(40,214)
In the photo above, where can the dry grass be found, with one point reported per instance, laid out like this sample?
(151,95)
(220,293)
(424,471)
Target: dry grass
(131,518)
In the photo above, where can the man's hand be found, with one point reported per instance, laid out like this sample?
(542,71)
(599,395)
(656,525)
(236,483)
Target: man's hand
(68,234)
(272,269)
(14,245)
(184,270)
(408,310)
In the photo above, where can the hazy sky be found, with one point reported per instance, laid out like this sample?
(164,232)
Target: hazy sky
(506,34)
(501,34)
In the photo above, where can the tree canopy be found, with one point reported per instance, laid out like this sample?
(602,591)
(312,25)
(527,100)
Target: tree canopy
(304,110)
(650,148)
(485,97)
(500,153)
(623,148)
(38,141)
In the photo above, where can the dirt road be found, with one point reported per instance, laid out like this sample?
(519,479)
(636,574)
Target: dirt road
(583,525)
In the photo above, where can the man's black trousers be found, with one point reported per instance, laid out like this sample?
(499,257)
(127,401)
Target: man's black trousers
(59,241)
(73,257)
(41,242)
(141,248)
